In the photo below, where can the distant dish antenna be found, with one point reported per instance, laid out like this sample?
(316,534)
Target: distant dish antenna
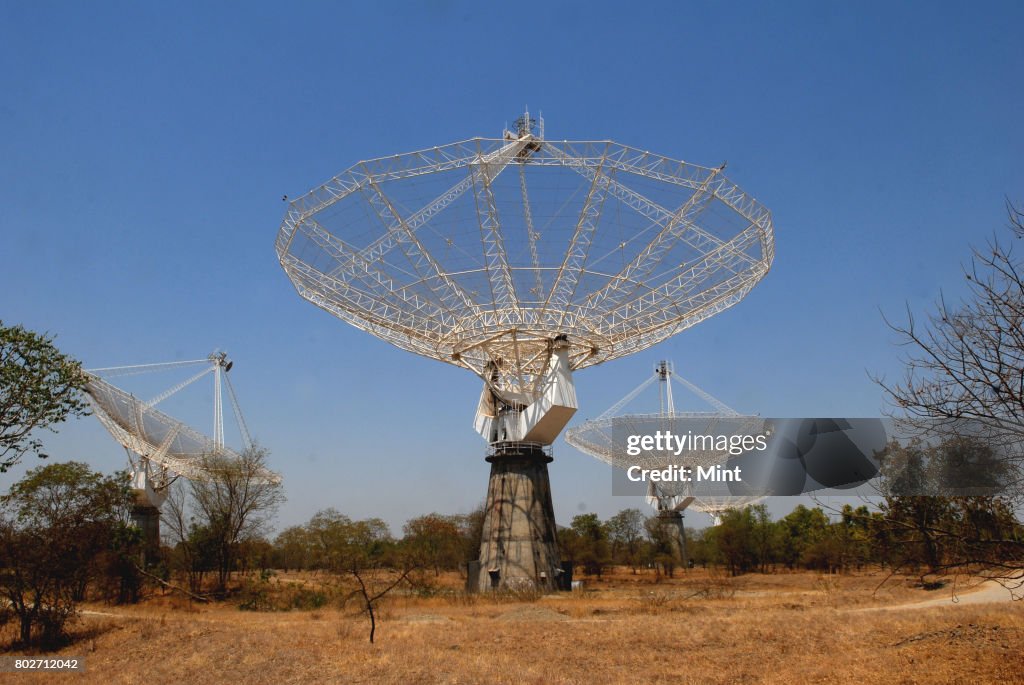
(524,260)
(160,448)
(717,506)
(594,437)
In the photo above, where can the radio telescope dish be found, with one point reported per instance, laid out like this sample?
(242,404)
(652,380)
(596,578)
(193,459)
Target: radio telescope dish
(669,499)
(161,448)
(524,259)
(594,437)
(716,506)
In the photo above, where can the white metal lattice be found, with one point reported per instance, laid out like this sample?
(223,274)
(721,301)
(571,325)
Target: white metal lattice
(446,253)
(157,443)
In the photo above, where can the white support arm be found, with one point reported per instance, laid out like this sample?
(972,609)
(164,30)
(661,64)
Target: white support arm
(542,420)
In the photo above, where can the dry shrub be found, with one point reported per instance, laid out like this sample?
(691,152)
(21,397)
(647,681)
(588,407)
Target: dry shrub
(829,586)
(149,630)
(263,594)
(88,631)
(461,598)
(513,595)
(383,609)
(931,584)
(716,586)
(348,628)
(465,599)
(655,602)
(181,604)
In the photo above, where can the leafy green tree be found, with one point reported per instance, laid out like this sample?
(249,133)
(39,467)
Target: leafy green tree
(371,539)
(662,550)
(471,527)
(947,531)
(294,549)
(592,551)
(330,533)
(54,525)
(435,541)
(853,535)
(625,533)
(118,567)
(802,531)
(366,552)
(39,388)
(766,537)
(940,534)
(569,545)
(342,544)
(255,553)
(701,546)
(736,540)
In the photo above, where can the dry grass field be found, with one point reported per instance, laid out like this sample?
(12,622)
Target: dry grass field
(784,628)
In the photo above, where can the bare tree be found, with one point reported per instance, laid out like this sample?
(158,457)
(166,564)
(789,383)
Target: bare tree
(234,502)
(965,363)
(372,588)
(189,540)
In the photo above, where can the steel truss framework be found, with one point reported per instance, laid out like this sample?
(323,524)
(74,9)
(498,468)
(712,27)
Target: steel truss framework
(159,445)
(595,437)
(716,506)
(480,253)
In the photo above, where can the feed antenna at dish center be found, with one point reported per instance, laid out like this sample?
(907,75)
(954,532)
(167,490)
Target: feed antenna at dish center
(525,259)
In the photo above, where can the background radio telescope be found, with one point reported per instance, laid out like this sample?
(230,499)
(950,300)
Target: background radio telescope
(595,437)
(716,506)
(161,448)
(524,259)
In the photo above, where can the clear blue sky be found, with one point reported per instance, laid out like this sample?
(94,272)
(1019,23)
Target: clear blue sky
(145,149)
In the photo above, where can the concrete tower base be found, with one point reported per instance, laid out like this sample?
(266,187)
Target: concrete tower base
(672,523)
(146,518)
(519,547)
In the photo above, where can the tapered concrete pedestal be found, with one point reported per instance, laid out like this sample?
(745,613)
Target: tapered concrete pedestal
(519,547)
(672,523)
(146,518)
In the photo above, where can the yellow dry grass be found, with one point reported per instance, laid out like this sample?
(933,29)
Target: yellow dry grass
(786,628)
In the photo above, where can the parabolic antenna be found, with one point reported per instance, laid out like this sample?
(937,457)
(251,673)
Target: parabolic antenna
(524,259)
(595,437)
(161,448)
(716,505)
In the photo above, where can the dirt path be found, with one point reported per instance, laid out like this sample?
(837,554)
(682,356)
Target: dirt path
(989,592)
